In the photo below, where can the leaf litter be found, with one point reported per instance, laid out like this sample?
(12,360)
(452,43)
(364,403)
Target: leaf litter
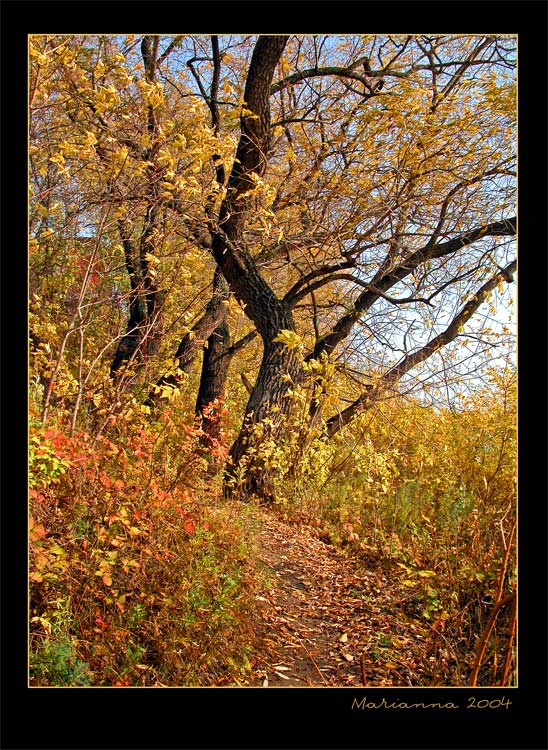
(328,619)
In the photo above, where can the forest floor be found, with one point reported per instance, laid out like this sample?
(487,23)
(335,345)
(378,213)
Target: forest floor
(328,619)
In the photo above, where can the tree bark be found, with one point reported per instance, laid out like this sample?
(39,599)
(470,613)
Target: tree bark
(212,383)
(217,353)
(211,394)
(280,370)
(143,331)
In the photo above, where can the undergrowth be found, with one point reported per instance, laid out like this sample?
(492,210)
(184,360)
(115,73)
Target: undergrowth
(428,498)
(138,576)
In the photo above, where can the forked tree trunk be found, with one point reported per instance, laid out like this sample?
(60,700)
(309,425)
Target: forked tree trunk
(144,328)
(246,472)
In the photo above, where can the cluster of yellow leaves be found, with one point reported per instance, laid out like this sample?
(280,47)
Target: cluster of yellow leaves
(151,92)
(290,339)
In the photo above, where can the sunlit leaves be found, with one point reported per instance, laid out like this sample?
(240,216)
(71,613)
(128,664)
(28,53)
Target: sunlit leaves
(348,178)
(290,339)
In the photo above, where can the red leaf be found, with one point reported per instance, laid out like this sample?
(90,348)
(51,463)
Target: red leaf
(105,480)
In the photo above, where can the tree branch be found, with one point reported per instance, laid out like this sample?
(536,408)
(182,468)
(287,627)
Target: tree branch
(192,342)
(384,280)
(293,299)
(373,392)
(174,42)
(332,70)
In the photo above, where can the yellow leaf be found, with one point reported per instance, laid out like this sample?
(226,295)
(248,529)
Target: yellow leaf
(46,624)
(289,338)
(249,114)
(152,259)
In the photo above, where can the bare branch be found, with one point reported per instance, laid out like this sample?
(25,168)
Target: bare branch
(337,71)
(390,378)
(292,299)
(174,43)
(387,279)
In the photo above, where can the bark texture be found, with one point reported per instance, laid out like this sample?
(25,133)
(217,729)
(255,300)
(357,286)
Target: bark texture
(144,326)
(211,395)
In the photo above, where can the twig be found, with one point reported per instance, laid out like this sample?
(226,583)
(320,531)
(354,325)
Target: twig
(504,566)
(485,636)
(318,670)
(362,662)
(509,649)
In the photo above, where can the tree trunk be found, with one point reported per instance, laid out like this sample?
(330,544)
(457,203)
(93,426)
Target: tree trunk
(211,393)
(128,346)
(214,315)
(143,331)
(249,471)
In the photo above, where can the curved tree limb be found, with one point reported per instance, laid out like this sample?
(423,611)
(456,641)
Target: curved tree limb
(384,280)
(340,72)
(372,392)
(293,299)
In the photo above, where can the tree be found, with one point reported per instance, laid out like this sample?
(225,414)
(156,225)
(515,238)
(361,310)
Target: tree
(425,189)
(355,193)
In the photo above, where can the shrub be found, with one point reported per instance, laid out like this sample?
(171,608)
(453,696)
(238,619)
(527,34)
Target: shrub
(155,578)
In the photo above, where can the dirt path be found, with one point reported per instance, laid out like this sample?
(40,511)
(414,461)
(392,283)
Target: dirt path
(326,620)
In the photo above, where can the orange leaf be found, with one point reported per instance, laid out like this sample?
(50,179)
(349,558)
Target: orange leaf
(36,531)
